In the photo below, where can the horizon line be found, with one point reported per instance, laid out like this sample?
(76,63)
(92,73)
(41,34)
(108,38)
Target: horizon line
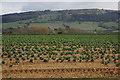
(56,10)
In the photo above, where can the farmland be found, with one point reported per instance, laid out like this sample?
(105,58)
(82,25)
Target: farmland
(82,19)
(59,24)
(60,56)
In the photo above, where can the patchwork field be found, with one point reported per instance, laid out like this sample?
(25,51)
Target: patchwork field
(59,24)
(60,56)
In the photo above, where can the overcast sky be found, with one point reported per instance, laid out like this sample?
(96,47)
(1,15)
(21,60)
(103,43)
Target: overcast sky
(59,0)
(16,7)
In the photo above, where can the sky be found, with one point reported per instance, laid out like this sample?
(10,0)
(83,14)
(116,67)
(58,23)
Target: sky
(14,6)
(59,0)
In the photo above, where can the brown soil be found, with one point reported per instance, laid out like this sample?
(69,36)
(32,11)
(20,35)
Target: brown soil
(39,69)
(53,69)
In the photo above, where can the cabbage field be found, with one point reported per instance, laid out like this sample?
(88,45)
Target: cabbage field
(100,49)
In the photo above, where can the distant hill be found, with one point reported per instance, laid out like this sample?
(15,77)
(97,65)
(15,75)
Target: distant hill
(82,19)
(64,15)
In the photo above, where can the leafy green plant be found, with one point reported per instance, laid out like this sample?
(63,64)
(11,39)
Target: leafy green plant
(41,58)
(102,61)
(45,60)
(35,58)
(3,62)
(54,58)
(11,65)
(31,60)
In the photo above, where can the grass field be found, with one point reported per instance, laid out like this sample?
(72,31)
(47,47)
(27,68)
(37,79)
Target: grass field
(60,56)
(76,25)
(59,24)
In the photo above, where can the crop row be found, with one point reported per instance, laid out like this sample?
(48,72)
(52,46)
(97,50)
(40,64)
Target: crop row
(60,48)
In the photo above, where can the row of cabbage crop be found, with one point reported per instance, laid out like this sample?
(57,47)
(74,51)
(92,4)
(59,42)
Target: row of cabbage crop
(60,48)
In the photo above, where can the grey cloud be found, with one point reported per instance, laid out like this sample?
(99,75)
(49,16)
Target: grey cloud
(68,5)
(13,7)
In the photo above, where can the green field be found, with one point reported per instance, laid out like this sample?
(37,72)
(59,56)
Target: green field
(59,24)
(40,54)
(14,45)
(82,19)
